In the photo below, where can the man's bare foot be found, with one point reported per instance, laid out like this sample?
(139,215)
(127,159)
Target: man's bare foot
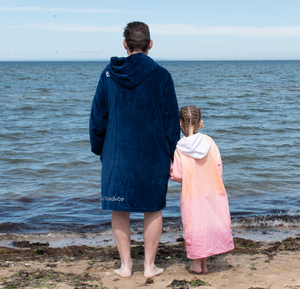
(124,271)
(151,272)
(196,267)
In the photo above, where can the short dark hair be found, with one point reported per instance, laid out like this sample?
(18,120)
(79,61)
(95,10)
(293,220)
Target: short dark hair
(137,36)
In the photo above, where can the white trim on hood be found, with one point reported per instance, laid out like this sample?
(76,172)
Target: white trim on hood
(196,146)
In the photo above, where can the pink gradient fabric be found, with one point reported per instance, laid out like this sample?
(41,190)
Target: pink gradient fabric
(203,203)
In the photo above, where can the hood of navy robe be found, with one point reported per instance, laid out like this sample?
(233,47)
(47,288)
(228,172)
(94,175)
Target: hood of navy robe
(134,127)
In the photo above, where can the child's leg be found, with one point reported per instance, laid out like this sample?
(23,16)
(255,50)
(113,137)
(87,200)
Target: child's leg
(121,230)
(203,265)
(196,266)
(199,266)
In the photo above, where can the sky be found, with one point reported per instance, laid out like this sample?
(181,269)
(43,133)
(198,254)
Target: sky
(180,30)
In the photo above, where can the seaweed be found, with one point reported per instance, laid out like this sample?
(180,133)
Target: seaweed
(182,284)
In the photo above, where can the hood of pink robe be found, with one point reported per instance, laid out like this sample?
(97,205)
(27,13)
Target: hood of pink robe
(196,146)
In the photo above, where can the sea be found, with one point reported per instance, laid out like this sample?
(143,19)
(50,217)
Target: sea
(50,181)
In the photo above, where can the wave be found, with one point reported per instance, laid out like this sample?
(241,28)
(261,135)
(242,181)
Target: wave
(288,220)
(171,224)
(9,227)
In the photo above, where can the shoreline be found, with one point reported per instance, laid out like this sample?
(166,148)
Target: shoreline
(263,229)
(58,240)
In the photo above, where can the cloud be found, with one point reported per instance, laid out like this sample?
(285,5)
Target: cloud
(59,9)
(13,50)
(77,10)
(182,29)
(260,0)
(90,51)
(71,27)
(178,29)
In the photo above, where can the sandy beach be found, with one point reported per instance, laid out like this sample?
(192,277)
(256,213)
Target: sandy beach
(251,265)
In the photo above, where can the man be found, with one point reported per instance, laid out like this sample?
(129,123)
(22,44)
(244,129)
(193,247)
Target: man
(134,127)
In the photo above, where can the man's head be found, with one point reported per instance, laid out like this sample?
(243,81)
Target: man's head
(137,37)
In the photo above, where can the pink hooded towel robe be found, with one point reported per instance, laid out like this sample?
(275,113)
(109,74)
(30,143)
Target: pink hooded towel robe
(203,202)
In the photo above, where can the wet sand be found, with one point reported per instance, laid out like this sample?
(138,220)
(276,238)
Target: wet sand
(251,265)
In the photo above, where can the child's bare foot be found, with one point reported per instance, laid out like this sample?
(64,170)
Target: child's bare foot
(204,270)
(203,266)
(196,266)
(152,271)
(124,271)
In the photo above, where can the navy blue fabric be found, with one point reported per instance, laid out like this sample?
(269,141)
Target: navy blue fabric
(134,127)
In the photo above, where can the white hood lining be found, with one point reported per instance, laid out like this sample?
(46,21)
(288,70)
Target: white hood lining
(196,146)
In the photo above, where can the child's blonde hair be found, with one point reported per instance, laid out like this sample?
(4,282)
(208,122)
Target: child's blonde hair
(190,116)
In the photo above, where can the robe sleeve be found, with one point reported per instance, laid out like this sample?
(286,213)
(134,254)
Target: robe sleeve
(98,118)
(218,158)
(176,169)
(171,121)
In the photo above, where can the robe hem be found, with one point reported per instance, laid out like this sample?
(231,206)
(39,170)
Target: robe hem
(134,210)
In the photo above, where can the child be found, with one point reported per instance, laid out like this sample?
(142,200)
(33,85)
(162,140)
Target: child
(203,202)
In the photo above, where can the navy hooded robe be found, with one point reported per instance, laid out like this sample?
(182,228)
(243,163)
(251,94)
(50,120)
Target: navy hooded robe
(134,127)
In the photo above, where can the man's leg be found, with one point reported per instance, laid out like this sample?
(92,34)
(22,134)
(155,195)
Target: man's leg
(152,234)
(120,223)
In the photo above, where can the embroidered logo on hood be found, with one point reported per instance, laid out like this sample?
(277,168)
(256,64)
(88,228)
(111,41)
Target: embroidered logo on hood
(196,146)
(107,74)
